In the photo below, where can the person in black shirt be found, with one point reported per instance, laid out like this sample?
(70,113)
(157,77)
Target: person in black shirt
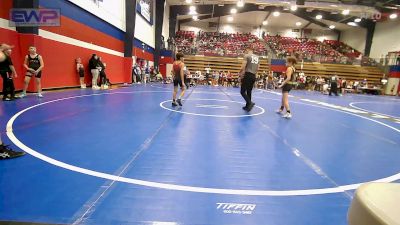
(7,72)
(103,76)
(5,151)
(334,85)
(94,66)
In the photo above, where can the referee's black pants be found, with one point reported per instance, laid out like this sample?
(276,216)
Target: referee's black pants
(8,86)
(247,86)
(334,89)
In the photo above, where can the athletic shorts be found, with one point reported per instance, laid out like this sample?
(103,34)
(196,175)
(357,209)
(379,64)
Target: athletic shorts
(38,75)
(177,82)
(286,88)
(81,73)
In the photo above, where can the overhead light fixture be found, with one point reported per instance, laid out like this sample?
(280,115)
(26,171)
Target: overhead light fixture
(298,24)
(192,8)
(318,17)
(276,13)
(293,7)
(240,3)
(188,1)
(352,24)
(357,20)
(346,12)
(230,18)
(265,22)
(332,27)
(393,16)
(286,9)
(334,6)
(192,13)
(233,11)
(195,18)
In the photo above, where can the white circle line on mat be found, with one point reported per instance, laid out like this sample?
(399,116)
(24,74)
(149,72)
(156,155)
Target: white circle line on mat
(175,187)
(212,115)
(352,104)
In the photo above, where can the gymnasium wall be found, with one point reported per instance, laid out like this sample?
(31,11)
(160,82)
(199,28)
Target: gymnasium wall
(113,10)
(144,31)
(82,33)
(355,37)
(386,38)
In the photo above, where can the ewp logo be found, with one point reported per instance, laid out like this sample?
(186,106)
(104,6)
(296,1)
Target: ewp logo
(34,17)
(236,208)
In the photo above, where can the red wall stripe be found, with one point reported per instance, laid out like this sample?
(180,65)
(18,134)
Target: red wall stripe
(5,6)
(166,60)
(139,53)
(59,59)
(394,74)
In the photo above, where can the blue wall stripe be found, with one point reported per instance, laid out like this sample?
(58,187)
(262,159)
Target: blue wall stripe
(138,44)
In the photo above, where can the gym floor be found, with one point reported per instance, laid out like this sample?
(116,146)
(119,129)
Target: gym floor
(125,156)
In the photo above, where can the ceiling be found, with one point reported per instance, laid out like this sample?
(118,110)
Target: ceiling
(256,11)
(354,5)
(255,19)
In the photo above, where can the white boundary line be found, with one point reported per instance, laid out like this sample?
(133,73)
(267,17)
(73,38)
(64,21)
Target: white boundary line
(352,104)
(55,162)
(212,115)
(5,25)
(75,42)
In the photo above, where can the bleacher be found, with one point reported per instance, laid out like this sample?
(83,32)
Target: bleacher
(194,63)
(331,51)
(348,72)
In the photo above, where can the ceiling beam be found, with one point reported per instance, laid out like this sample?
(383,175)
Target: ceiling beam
(304,16)
(307,25)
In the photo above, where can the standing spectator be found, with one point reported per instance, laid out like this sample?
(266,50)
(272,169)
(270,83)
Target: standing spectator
(334,85)
(146,74)
(398,60)
(344,86)
(80,69)
(270,81)
(103,76)
(133,74)
(7,72)
(94,66)
(138,74)
(318,84)
(386,60)
(5,151)
(33,64)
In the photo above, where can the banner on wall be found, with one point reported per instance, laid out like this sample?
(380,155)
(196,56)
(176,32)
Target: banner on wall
(145,9)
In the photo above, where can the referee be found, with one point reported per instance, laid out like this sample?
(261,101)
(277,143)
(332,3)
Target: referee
(248,73)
